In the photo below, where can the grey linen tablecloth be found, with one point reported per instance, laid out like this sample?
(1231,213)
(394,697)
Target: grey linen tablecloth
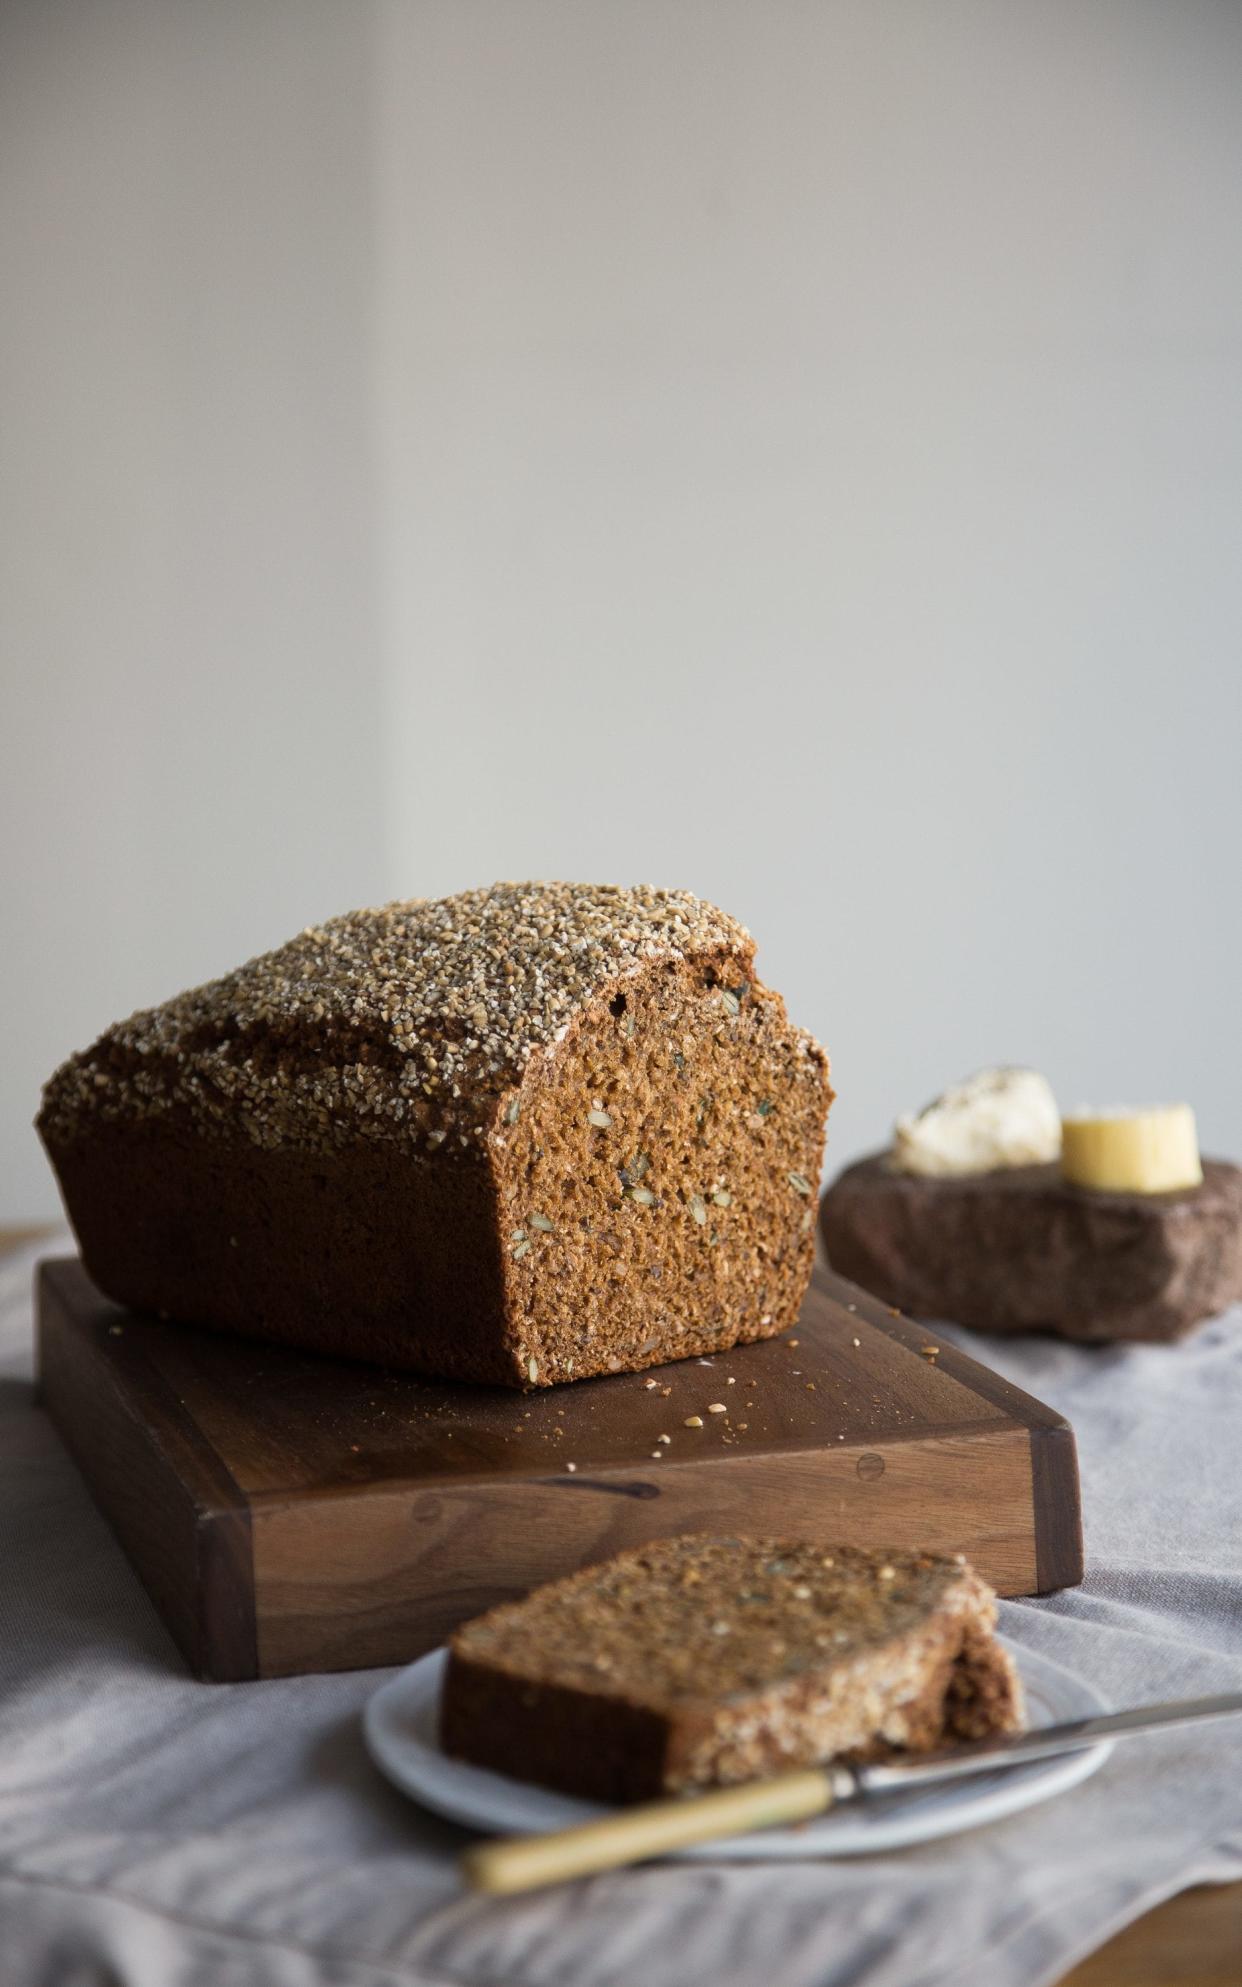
(163,1833)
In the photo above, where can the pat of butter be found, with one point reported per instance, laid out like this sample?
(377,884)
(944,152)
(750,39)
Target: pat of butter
(1152,1151)
(1001,1117)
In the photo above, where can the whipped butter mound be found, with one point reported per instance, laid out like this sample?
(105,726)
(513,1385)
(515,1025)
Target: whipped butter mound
(999,1117)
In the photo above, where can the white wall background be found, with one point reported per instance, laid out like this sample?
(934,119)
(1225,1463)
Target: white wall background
(190,612)
(793,451)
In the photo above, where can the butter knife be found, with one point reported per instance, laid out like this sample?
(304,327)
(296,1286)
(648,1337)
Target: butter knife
(1015,1748)
(525,1862)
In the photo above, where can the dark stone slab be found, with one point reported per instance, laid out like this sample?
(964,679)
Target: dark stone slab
(1020,1250)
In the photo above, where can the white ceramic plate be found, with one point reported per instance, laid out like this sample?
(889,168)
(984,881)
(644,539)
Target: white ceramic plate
(401,1723)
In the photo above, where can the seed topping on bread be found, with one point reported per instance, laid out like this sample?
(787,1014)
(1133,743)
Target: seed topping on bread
(416,1016)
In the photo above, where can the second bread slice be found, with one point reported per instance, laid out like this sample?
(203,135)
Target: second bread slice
(698,1661)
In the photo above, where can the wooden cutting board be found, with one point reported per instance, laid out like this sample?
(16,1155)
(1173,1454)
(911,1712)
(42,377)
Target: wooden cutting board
(291,1514)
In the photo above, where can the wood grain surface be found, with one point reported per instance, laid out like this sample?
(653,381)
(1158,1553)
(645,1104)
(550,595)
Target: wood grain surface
(1191,1941)
(290,1513)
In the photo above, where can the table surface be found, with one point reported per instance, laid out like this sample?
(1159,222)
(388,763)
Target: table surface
(1194,1940)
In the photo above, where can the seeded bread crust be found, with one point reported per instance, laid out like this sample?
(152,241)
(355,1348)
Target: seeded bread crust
(699,1661)
(520,1135)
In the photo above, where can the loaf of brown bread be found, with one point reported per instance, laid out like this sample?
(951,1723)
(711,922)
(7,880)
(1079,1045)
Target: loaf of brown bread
(520,1135)
(699,1661)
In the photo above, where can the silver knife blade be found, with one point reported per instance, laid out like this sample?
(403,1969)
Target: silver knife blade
(1046,1742)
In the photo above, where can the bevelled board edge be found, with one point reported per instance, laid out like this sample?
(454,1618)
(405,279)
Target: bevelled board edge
(228,1643)
(197,1565)
(963,1366)
(1057,1506)
(1055,1489)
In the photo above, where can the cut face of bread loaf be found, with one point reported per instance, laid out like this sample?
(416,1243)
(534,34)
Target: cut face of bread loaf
(702,1661)
(522,1135)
